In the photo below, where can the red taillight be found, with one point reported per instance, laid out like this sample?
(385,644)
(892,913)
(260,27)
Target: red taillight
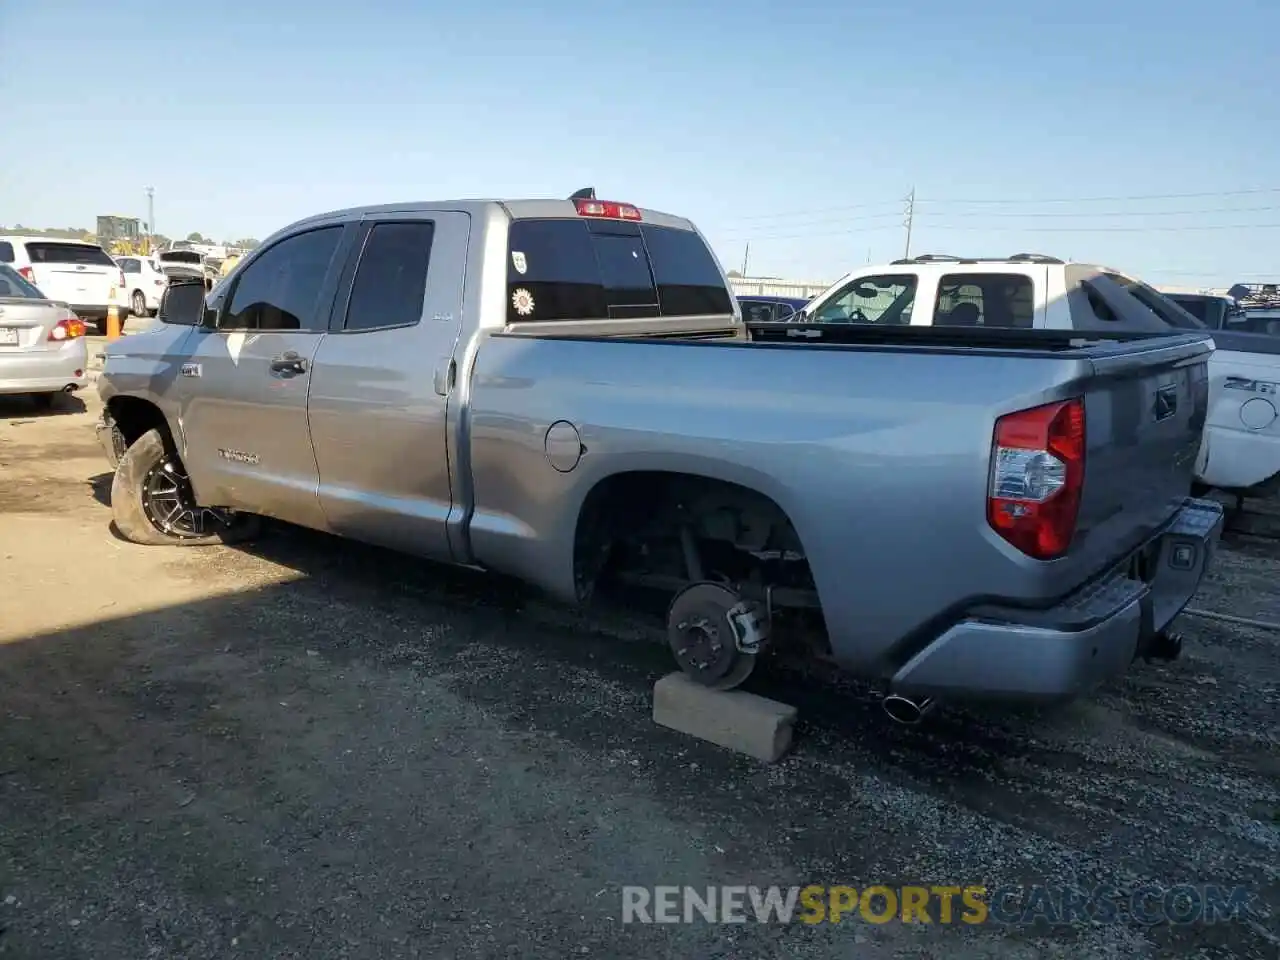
(68,329)
(608,209)
(121,279)
(27,274)
(1037,476)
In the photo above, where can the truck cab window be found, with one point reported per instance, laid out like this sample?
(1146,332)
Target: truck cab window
(985,300)
(391,280)
(279,290)
(570,270)
(884,300)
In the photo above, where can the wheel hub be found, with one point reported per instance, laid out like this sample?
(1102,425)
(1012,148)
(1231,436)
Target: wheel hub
(714,634)
(169,503)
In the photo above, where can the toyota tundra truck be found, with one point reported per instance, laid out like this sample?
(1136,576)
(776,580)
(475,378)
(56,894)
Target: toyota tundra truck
(564,391)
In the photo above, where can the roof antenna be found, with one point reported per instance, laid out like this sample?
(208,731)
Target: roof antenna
(586,193)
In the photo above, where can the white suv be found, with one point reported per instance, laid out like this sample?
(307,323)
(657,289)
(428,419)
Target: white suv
(1025,291)
(144,284)
(70,271)
(1241,446)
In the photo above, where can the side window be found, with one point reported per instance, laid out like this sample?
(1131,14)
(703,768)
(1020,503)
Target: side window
(391,279)
(885,300)
(985,300)
(6,251)
(129,265)
(280,290)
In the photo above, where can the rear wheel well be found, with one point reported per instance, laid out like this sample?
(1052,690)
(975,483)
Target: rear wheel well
(134,417)
(667,530)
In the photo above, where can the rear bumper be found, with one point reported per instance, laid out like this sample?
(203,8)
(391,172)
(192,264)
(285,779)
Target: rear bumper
(46,371)
(1088,638)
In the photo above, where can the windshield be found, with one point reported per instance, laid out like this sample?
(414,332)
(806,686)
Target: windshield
(13,284)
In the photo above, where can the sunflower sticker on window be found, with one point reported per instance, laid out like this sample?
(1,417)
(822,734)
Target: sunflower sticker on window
(522,300)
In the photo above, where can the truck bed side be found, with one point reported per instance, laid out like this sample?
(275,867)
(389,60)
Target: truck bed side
(879,456)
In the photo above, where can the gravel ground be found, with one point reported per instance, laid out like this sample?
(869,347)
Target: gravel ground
(311,749)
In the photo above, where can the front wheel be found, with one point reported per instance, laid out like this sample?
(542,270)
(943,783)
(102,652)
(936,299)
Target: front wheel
(139,306)
(152,502)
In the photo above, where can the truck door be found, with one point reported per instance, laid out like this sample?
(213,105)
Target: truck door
(244,404)
(382,381)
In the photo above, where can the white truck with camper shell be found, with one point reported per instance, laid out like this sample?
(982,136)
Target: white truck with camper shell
(1240,448)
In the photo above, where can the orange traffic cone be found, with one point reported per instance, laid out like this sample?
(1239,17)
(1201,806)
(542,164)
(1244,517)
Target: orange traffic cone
(113,323)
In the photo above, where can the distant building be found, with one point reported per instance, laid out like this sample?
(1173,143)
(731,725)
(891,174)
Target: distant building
(776,287)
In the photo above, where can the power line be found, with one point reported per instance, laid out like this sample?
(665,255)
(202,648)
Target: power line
(927,201)
(971,228)
(1130,197)
(1052,215)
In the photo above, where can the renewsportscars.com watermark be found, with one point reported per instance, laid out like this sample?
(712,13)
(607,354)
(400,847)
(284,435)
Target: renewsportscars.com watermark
(1183,904)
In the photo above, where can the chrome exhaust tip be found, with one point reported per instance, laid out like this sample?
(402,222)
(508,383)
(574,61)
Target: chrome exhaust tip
(906,711)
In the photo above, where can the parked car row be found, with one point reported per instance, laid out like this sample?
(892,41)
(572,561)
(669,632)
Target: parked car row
(569,395)
(42,346)
(79,274)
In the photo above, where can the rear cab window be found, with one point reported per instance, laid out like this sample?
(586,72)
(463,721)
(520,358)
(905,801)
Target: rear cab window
(985,300)
(597,269)
(77,253)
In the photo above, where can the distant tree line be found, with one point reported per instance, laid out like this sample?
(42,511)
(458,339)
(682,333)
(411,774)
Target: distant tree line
(78,233)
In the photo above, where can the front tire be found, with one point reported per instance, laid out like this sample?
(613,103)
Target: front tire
(152,503)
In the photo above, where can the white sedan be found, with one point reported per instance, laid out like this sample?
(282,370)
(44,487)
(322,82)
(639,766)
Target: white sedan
(144,284)
(42,345)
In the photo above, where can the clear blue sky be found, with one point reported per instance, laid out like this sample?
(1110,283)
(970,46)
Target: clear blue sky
(794,125)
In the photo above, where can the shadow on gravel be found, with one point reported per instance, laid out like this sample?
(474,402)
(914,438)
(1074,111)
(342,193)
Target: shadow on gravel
(100,487)
(313,721)
(22,407)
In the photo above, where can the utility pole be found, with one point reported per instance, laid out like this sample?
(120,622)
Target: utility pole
(745,254)
(908,220)
(151,218)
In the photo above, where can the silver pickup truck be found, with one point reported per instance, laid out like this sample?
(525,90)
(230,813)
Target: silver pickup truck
(564,391)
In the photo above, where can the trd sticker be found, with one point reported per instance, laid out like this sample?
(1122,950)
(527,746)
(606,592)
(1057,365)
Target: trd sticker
(522,300)
(518,261)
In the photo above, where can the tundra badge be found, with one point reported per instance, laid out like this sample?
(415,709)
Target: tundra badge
(238,456)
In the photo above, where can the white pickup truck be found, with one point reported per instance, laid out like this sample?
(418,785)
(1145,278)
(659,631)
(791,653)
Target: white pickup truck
(1240,446)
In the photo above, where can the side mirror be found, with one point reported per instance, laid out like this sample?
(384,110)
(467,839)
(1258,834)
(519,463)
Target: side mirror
(182,303)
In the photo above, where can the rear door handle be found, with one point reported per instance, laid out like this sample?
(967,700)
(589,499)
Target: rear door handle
(289,364)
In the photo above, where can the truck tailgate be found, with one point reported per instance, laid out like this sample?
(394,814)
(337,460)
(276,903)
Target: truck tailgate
(1144,415)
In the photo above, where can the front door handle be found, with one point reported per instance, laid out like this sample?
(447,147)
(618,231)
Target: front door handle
(288,364)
